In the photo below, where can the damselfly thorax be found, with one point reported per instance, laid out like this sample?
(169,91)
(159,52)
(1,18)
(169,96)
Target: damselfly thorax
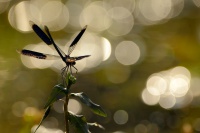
(70,59)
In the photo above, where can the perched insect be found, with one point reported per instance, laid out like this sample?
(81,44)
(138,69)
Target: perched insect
(47,38)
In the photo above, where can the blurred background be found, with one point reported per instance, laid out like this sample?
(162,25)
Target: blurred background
(144,68)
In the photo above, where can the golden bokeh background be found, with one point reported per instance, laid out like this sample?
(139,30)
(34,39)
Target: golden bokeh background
(144,68)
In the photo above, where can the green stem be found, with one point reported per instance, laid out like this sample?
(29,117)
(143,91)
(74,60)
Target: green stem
(67,83)
(66,113)
(66,106)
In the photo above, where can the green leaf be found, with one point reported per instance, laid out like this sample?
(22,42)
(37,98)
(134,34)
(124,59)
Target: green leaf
(70,80)
(96,125)
(57,93)
(94,107)
(79,123)
(44,117)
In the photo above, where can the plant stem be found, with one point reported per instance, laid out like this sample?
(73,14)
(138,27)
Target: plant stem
(66,113)
(66,106)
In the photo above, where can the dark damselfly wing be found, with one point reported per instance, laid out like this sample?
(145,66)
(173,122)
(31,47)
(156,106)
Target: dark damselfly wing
(47,38)
(81,57)
(73,44)
(41,33)
(59,51)
(38,55)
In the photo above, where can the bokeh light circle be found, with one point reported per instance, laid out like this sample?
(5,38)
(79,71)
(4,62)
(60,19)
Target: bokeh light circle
(180,70)
(155,10)
(156,85)
(150,99)
(19,16)
(171,86)
(128,4)
(58,107)
(42,13)
(74,14)
(74,106)
(18,108)
(167,101)
(127,52)
(178,86)
(121,117)
(122,21)
(140,128)
(96,16)
(55,19)
(180,81)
